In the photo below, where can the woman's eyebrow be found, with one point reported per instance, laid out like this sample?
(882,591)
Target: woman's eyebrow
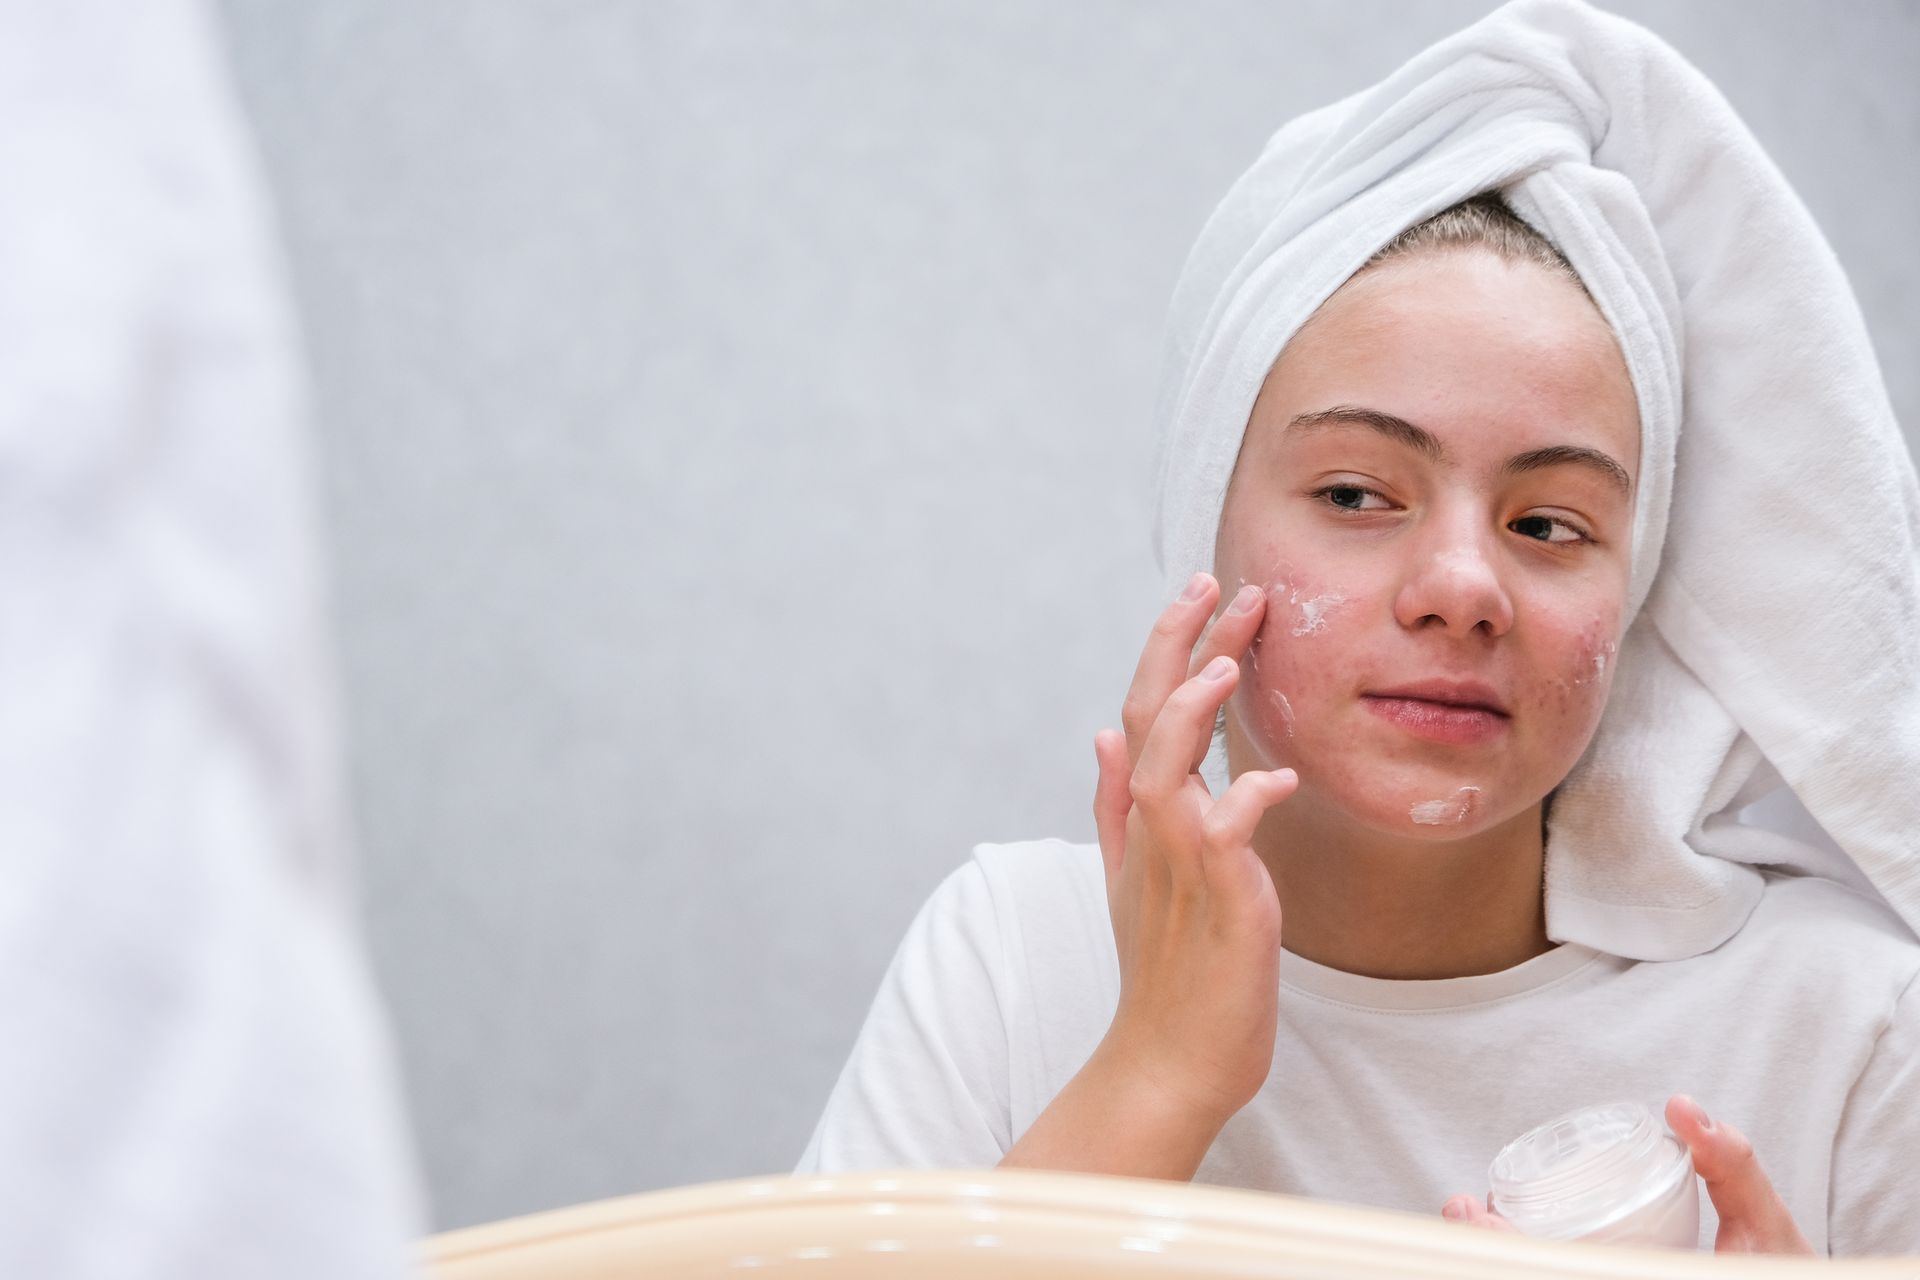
(1578,455)
(1418,439)
(1425,442)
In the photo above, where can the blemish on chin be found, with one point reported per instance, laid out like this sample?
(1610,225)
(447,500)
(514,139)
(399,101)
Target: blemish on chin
(1451,809)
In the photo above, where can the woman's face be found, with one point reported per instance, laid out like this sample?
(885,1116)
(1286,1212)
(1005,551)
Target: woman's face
(1435,492)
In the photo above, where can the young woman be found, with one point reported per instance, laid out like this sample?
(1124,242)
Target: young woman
(1340,974)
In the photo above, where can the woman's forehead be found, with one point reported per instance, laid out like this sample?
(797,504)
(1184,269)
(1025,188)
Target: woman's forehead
(1470,348)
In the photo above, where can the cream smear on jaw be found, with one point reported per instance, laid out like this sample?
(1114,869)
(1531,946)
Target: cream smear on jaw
(1453,809)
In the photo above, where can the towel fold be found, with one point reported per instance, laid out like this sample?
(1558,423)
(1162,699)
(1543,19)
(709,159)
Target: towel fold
(1774,603)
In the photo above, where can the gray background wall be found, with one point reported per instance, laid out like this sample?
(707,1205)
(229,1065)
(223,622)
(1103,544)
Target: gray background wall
(735,425)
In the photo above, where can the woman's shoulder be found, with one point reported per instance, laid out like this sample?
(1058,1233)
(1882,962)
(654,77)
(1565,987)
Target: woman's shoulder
(1831,931)
(1045,886)
(1050,899)
(1817,904)
(1043,876)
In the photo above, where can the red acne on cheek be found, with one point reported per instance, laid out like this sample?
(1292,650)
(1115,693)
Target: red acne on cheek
(1585,678)
(1596,650)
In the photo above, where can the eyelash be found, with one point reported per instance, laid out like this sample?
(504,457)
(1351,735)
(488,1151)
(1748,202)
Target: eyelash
(1581,535)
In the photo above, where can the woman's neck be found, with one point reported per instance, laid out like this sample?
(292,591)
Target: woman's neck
(1370,903)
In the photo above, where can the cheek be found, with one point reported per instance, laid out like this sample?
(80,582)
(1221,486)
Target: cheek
(1299,603)
(1303,655)
(1575,669)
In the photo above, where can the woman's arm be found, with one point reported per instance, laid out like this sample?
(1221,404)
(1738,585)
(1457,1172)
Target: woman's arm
(1112,1118)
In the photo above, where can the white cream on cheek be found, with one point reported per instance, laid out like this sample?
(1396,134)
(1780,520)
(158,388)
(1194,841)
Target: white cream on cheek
(1278,698)
(1596,647)
(1606,650)
(1313,612)
(1307,612)
(1286,710)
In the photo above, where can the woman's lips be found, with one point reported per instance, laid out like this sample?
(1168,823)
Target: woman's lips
(1438,721)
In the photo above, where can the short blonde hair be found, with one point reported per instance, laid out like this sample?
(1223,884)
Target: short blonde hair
(1479,222)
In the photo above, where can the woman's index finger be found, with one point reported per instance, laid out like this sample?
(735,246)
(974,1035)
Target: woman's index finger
(1163,661)
(1232,632)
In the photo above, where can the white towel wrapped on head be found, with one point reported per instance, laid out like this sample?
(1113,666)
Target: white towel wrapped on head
(1774,604)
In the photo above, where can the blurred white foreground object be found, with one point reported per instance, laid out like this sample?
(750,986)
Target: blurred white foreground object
(195,1079)
(1028,1225)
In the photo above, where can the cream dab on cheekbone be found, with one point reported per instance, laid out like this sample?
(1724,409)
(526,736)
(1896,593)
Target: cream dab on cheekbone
(1454,808)
(1312,611)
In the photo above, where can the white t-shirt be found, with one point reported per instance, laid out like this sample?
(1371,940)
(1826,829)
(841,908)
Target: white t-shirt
(1802,1030)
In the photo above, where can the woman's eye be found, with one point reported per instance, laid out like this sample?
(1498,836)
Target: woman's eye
(1348,497)
(1545,524)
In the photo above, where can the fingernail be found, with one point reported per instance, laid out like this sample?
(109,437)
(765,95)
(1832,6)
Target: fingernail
(1218,668)
(1700,1116)
(1243,603)
(1453,1209)
(1196,587)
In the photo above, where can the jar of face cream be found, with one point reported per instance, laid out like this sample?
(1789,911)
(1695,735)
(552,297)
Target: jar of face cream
(1606,1174)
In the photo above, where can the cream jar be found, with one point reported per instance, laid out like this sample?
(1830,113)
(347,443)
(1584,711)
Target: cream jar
(1608,1174)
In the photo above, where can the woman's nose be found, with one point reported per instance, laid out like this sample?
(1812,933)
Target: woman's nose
(1452,582)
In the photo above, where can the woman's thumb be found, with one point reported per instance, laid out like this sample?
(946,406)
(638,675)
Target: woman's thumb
(1753,1217)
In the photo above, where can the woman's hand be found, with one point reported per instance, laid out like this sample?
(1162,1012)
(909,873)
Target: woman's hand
(1753,1218)
(1195,916)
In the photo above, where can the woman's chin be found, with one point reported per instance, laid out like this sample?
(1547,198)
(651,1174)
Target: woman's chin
(1401,798)
(1440,809)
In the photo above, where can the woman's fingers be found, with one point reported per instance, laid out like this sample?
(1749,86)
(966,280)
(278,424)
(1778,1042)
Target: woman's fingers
(1231,634)
(1163,662)
(1464,1208)
(1165,761)
(1753,1217)
(1229,824)
(1232,631)
(1166,795)
(1110,799)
